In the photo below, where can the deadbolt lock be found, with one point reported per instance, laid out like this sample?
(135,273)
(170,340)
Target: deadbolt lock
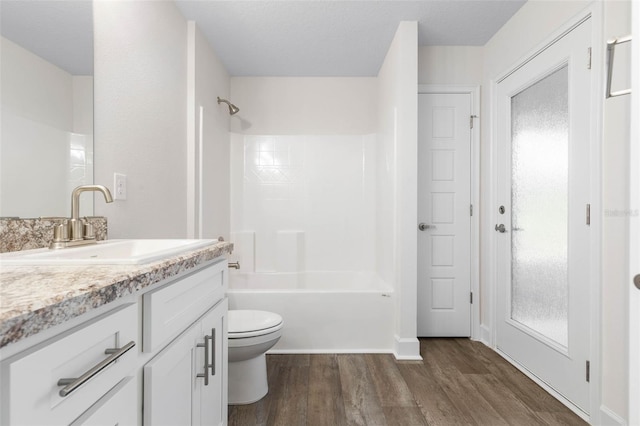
(636,281)
(501,210)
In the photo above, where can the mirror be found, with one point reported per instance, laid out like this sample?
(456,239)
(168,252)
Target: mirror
(46,93)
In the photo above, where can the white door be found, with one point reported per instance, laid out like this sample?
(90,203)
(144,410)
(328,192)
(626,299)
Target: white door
(444,202)
(542,238)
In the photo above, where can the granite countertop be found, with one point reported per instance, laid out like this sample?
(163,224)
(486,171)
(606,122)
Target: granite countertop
(35,298)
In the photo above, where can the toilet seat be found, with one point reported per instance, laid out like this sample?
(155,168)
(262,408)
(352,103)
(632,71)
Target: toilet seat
(248,323)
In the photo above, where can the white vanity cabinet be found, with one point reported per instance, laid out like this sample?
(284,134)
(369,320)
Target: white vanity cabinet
(159,358)
(186,383)
(31,394)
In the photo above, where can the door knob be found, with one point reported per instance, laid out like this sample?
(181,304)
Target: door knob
(636,281)
(500,228)
(424,226)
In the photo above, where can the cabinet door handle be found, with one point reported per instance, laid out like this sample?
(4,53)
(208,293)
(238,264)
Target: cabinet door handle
(213,352)
(72,384)
(205,345)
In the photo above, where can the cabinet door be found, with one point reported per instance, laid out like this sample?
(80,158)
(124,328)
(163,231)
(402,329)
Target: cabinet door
(210,398)
(117,407)
(169,382)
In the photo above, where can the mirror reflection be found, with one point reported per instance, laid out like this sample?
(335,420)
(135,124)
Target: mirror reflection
(46,144)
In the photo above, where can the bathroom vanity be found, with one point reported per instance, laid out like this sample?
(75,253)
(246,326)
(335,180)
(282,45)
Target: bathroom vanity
(117,344)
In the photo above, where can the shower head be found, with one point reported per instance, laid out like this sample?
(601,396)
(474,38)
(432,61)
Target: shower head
(232,108)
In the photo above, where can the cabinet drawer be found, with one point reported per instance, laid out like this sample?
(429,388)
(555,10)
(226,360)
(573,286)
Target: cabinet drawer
(169,310)
(118,407)
(30,379)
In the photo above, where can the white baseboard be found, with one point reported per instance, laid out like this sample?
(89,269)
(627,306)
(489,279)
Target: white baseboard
(407,349)
(485,335)
(328,351)
(609,418)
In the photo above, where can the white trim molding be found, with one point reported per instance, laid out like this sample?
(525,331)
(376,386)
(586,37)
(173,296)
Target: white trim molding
(474,92)
(609,418)
(405,349)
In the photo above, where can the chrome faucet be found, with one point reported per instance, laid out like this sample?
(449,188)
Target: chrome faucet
(76,231)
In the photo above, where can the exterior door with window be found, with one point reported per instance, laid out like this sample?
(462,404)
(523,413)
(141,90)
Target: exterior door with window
(542,230)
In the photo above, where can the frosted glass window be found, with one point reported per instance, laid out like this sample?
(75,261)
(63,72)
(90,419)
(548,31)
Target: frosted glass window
(539,206)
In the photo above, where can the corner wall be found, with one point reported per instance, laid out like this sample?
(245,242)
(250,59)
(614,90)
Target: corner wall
(208,187)
(615,220)
(398,182)
(153,72)
(140,108)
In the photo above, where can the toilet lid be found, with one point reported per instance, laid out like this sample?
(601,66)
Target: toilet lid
(244,321)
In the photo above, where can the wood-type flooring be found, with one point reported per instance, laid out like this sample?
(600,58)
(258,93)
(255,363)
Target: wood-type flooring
(459,382)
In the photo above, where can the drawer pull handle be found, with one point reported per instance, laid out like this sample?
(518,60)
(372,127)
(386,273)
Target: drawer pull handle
(72,384)
(213,352)
(205,345)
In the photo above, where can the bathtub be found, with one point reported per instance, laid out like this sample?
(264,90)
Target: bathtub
(323,312)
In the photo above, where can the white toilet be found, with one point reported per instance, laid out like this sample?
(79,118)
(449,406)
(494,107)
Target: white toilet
(251,334)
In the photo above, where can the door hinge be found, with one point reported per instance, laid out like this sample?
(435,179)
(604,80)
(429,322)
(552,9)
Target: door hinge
(471,117)
(588,371)
(589,58)
(471,210)
(471,298)
(588,214)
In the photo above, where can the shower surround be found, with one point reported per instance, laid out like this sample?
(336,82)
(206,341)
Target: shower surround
(303,224)
(323,205)
(295,199)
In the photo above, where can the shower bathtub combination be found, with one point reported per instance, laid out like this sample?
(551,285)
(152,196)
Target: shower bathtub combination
(310,227)
(323,312)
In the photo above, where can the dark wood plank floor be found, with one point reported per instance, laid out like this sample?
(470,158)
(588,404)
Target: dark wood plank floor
(460,382)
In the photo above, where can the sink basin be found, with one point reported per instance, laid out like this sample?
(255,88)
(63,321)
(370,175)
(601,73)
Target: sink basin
(110,252)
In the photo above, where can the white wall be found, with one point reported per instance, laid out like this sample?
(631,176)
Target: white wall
(209,140)
(615,221)
(634,230)
(452,65)
(140,53)
(304,105)
(303,173)
(397,181)
(45,112)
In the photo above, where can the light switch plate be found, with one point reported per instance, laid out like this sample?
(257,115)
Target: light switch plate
(120,186)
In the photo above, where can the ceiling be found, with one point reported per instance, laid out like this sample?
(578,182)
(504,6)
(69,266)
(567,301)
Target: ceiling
(59,31)
(335,38)
(271,37)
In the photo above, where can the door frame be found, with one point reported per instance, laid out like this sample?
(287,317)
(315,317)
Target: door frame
(634,226)
(474,94)
(594,12)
